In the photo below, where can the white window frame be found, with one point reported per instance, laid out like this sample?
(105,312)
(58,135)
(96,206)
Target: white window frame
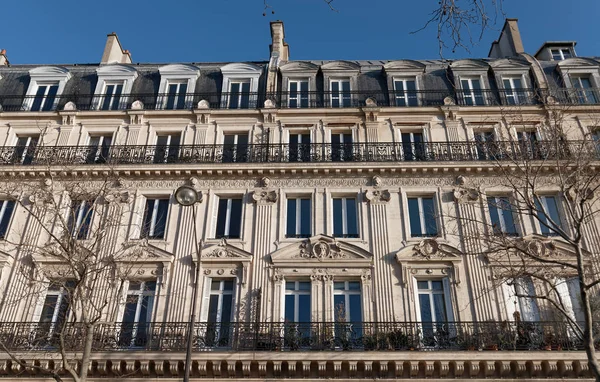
(27,145)
(347,293)
(103,95)
(445,292)
(406,98)
(345,215)
(154,217)
(299,214)
(61,294)
(296,292)
(544,205)
(229,199)
(514,92)
(3,207)
(110,74)
(422,214)
(470,92)
(501,213)
(237,72)
(177,73)
(79,216)
(167,147)
(582,93)
(42,76)
(561,53)
(340,93)
(101,138)
(298,97)
(514,303)
(140,293)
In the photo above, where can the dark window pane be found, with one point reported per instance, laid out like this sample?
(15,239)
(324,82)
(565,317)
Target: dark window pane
(304,308)
(171,95)
(291,218)
(355,308)
(226,308)
(245,97)
(221,218)
(289,308)
(414,217)
(494,216)
(235,221)
(48,309)
(39,98)
(430,219)
(339,306)
(161,219)
(422,284)
(440,307)
(182,94)
(337,218)
(339,285)
(116,103)
(305,217)
(351,222)
(425,308)
(147,220)
(212,308)
(8,210)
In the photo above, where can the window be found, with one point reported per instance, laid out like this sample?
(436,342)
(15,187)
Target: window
(486,147)
(80,219)
(297,301)
(513,91)
(340,93)
(176,95)
(561,54)
(56,303)
(155,218)
(6,210)
(405,92)
(220,312)
(137,315)
(298,95)
(229,218)
(547,215)
(239,95)
(421,213)
(502,216)
(413,146)
(111,99)
(345,219)
(584,90)
(569,295)
(98,149)
(25,150)
(433,308)
(341,147)
(300,148)
(298,217)
(235,148)
(528,144)
(45,97)
(347,301)
(471,92)
(167,148)
(521,299)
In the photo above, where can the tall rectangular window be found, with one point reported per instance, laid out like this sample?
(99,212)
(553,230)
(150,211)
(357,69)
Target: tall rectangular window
(155,218)
(239,95)
(80,219)
(347,302)
(298,93)
(229,218)
(56,303)
(176,95)
(111,100)
(235,148)
(433,309)
(584,90)
(220,312)
(342,147)
(471,92)
(297,301)
(167,148)
(137,314)
(547,214)
(560,54)
(345,218)
(421,213)
(298,217)
(340,93)
(513,91)
(98,149)
(413,146)
(25,150)
(300,148)
(502,216)
(45,97)
(6,210)
(485,144)
(405,92)
(521,294)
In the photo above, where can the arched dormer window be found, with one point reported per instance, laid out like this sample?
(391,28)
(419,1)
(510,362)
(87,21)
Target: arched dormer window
(581,77)
(113,87)
(471,82)
(46,85)
(341,81)
(177,86)
(240,86)
(298,83)
(514,83)
(404,79)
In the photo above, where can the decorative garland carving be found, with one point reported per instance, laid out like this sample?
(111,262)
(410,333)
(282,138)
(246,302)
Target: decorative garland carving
(378,196)
(466,195)
(427,248)
(320,250)
(264,196)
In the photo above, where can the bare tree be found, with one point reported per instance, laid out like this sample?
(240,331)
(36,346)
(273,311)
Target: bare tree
(67,245)
(545,179)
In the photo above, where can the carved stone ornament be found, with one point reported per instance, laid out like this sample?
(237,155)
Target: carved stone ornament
(371,102)
(427,248)
(541,248)
(118,197)
(377,181)
(137,105)
(466,195)
(203,104)
(221,251)
(70,106)
(265,181)
(264,196)
(269,104)
(378,196)
(320,250)
(449,101)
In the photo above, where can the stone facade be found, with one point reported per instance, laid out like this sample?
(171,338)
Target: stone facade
(309,173)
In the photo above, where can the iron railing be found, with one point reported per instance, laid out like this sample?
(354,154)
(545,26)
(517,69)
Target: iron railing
(300,153)
(314,336)
(287,99)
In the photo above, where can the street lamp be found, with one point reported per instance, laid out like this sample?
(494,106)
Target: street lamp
(187,196)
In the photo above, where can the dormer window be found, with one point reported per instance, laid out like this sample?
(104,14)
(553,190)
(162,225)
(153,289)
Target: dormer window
(405,91)
(177,86)
(239,94)
(584,93)
(298,93)
(45,96)
(513,90)
(340,93)
(561,54)
(111,97)
(114,86)
(240,86)
(471,92)
(46,85)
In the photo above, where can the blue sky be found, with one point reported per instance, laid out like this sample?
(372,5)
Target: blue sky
(67,31)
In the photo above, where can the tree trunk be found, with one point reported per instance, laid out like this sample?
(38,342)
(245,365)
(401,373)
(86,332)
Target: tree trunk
(588,331)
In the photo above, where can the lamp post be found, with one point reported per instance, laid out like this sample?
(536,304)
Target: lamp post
(187,196)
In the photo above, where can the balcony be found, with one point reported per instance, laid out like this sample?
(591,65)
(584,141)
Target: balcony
(301,100)
(299,153)
(315,336)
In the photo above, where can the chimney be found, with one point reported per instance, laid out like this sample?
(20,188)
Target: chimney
(3,58)
(509,43)
(278,46)
(114,53)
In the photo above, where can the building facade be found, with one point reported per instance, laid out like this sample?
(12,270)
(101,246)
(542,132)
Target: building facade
(338,232)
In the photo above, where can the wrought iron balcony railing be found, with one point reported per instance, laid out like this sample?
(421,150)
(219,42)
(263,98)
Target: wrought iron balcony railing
(299,153)
(296,336)
(298,99)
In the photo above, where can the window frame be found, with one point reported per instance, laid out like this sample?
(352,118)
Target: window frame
(153,218)
(501,213)
(296,293)
(79,212)
(42,76)
(423,225)
(181,74)
(299,98)
(6,220)
(344,212)
(114,73)
(228,217)
(346,292)
(561,53)
(298,214)
(340,93)
(470,93)
(406,97)
(541,215)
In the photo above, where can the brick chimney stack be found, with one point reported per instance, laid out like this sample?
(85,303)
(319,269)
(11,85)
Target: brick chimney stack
(114,52)
(509,44)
